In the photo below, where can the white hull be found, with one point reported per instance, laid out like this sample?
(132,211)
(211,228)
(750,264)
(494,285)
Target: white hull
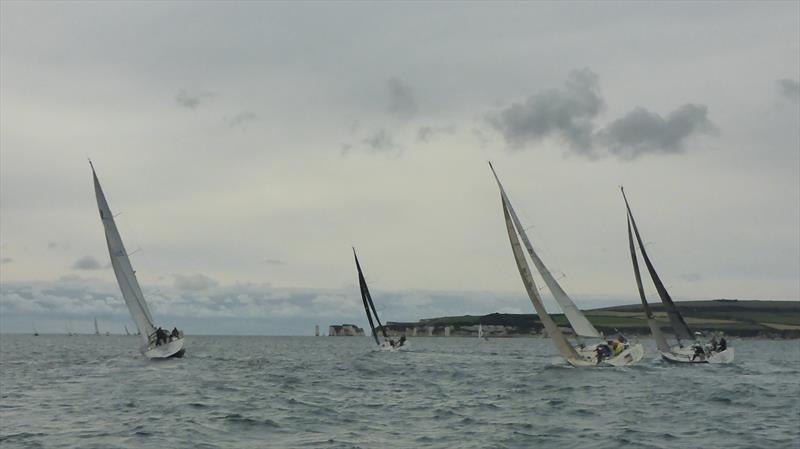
(630,356)
(165,351)
(386,347)
(686,355)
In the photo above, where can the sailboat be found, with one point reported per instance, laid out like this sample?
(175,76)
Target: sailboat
(35,332)
(387,344)
(694,351)
(582,355)
(481,335)
(96,329)
(126,330)
(155,344)
(68,327)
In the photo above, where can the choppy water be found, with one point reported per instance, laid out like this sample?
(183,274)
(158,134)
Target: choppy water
(253,392)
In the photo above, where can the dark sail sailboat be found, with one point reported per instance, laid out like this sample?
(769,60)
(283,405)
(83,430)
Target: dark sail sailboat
(693,352)
(387,344)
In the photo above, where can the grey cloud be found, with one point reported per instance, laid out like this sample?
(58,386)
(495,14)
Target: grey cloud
(380,140)
(52,245)
(426,133)
(789,89)
(6,260)
(241,118)
(566,113)
(641,131)
(194,282)
(401,99)
(192,101)
(87,263)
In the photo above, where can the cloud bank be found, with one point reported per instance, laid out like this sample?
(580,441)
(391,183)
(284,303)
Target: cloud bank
(569,114)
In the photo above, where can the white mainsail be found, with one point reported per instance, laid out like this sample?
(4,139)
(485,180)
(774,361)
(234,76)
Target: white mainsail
(126,277)
(562,345)
(580,324)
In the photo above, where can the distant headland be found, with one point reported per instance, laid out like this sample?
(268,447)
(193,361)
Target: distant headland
(742,318)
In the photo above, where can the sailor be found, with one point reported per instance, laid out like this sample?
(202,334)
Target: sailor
(402,341)
(159,336)
(603,351)
(698,352)
(713,343)
(617,346)
(723,345)
(175,334)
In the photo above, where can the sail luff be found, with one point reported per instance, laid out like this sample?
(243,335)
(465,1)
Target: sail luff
(661,341)
(580,324)
(561,343)
(362,283)
(126,277)
(675,318)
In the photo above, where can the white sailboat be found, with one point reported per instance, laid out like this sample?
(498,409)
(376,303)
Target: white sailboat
(156,344)
(126,330)
(387,344)
(96,328)
(693,352)
(582,355)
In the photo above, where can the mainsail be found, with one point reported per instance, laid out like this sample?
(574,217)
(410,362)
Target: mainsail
(580,324)
(661,341)
(369,306)
(676,320)
(126,277)
(96,328)
(562,345)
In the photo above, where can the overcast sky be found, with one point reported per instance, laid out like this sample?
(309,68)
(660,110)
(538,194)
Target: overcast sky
(247,146)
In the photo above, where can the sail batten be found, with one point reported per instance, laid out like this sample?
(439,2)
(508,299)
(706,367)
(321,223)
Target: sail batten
(123,270)
(676,320)
(580,324)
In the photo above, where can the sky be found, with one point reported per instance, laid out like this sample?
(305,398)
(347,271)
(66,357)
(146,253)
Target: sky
(246,147)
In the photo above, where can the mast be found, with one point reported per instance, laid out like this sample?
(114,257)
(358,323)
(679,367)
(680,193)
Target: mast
(562,345)
(675,318)
(96,329)
(362,283)
(661,341)
(126,330)
(126,277)
(580,324)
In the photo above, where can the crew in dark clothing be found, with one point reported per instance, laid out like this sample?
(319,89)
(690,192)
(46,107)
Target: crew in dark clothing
(723,345)
(402,341)
(160,336)
(698,352)
(603,351)
(175,334)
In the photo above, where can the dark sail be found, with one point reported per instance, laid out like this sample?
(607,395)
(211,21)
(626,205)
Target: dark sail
(366,298)
(635,260)
(676,320)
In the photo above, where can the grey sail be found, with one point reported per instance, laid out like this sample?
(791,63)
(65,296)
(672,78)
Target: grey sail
(676,320)
(367,300)
(580,324)
(96,328)
(661,341)
(562,345)
(126,277)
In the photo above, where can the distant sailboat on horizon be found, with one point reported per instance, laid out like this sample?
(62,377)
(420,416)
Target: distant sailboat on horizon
(582,355)
(696,352)
(157,344)
(387,344)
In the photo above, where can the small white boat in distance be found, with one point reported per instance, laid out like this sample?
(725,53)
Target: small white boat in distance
(156,343)
(696,351)
(387,344)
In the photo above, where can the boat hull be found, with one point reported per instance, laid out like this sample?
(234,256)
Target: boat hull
(684,356)
(173,349)
(386,347)
(630,356)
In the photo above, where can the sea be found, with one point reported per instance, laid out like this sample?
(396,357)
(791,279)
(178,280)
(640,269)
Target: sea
(338,392)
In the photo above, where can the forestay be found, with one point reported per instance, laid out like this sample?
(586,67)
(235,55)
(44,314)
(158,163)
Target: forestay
(580,324)
(126,277)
